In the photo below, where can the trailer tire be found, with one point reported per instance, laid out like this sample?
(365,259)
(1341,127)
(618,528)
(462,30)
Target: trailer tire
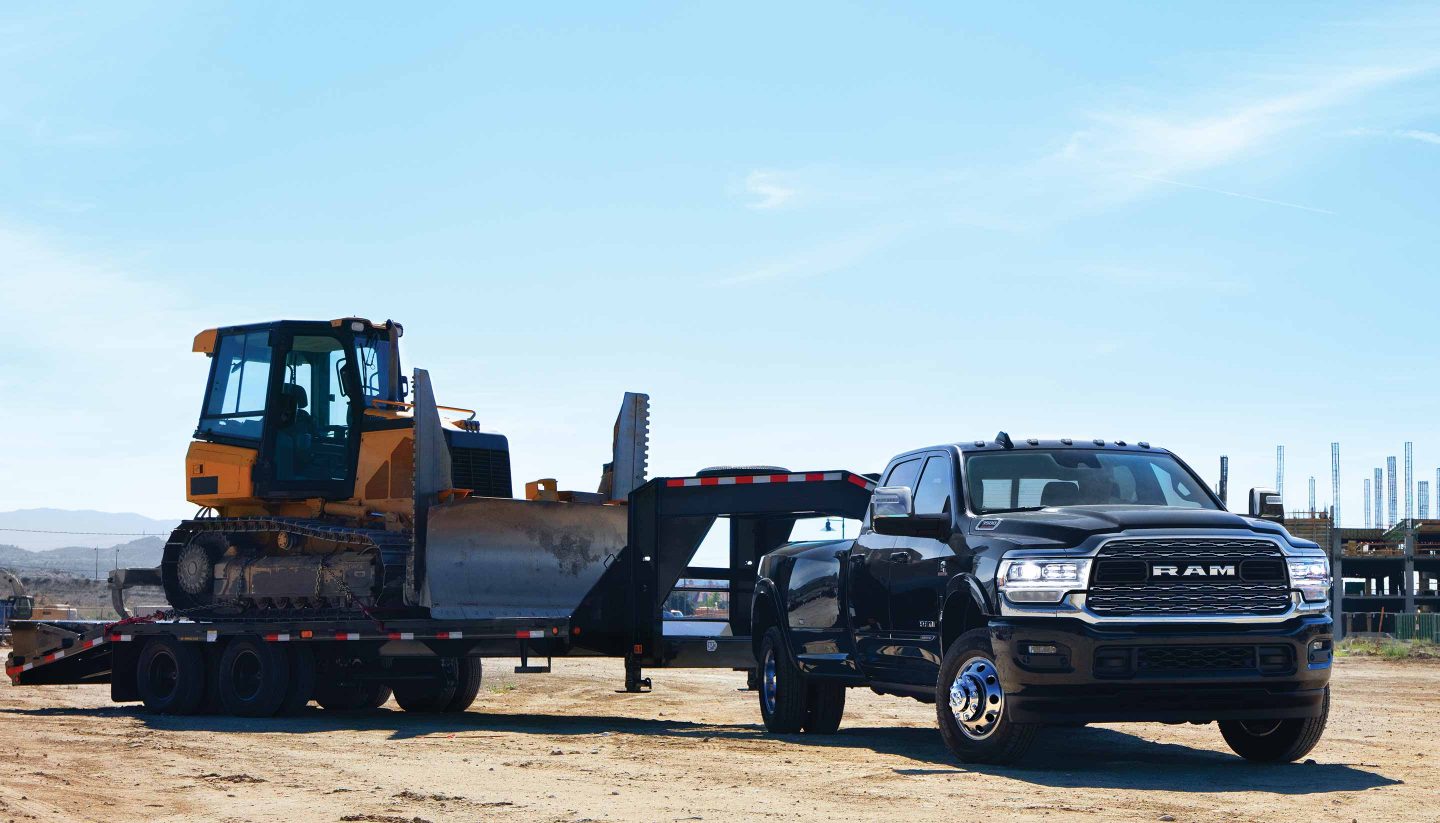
(826,706)
(254,677)
(432,694)
(1276,741)
(469,685)
(301,689)
(782,686)
(170,676)
(357,697)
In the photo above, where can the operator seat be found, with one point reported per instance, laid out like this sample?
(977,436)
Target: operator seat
(295,438)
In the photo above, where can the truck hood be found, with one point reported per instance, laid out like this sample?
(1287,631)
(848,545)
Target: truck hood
(1072,525)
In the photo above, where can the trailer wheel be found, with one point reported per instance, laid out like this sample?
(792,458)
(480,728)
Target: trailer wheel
(351,698)
(301,688)
(468,688)
(970,705)
(253,678)
(825,706)
(782,687)
(1276,741)
(431,694)
(170,676)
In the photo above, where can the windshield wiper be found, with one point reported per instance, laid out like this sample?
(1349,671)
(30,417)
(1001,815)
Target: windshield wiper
(1020,509)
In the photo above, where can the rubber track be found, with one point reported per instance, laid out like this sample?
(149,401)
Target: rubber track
(393,547)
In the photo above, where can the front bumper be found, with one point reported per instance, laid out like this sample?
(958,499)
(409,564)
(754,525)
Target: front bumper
(1058,670)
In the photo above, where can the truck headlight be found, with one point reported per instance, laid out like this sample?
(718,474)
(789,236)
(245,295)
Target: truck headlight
(1041,580)
(1311,577)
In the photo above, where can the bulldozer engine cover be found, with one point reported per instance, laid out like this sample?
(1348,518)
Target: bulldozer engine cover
(336,576)
(495,557)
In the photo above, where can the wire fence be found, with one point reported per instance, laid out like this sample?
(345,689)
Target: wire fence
(1399,625)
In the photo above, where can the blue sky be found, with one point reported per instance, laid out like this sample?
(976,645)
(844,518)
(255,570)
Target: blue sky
(815,234)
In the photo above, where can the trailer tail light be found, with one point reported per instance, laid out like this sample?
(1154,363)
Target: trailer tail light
(639,649)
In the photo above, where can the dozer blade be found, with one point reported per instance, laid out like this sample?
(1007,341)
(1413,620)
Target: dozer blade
(493,557)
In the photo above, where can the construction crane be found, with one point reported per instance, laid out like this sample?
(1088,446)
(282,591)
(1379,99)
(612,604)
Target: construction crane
(327,480)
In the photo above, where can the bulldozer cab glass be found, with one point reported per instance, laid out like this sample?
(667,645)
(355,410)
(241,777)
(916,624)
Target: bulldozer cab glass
(294,392)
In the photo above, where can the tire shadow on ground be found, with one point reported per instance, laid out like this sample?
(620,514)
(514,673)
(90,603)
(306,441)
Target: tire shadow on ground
(1062,758)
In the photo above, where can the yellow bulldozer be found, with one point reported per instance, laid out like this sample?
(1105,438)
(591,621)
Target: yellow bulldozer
(329,481)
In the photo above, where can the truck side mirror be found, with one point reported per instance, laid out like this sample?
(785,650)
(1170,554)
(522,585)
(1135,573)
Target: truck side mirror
(890,502)
(1266,504)
(892,512)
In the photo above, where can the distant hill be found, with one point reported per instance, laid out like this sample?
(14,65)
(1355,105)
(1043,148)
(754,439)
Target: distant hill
(81,560)
(27,528)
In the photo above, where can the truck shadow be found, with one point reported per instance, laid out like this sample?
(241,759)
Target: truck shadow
(1062,758)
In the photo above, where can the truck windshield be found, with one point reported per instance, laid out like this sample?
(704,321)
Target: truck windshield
(1040,478)
(374,354)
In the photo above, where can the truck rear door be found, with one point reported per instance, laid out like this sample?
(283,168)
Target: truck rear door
(918,568)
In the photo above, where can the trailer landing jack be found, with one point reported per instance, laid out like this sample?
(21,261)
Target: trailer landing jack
(634,683)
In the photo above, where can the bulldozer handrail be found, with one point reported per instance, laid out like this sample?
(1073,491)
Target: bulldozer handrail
(404,405)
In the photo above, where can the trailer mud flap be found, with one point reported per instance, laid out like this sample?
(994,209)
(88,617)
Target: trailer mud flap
(495,557)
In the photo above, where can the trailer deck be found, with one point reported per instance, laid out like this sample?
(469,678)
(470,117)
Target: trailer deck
(621,616)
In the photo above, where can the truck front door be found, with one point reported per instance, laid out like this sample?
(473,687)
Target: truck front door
(918,570)
(867,591)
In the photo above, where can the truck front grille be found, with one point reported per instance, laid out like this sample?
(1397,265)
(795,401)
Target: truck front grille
(1139,661)
(1229,577)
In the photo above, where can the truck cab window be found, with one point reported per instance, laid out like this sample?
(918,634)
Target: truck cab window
(239,387)
(904,474)
(374,363)
(932,494)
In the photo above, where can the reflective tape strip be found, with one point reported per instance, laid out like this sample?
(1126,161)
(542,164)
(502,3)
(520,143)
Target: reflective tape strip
(449,635)
(347,635)
(121,638)
(402,635)
(53,656)
(212,636)
(750,479)
(93,642)
(277,638)
(536,634)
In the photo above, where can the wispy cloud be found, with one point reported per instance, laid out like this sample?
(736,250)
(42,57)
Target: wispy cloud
(1419,135)
(767,186)
(1233,194)
(826,258)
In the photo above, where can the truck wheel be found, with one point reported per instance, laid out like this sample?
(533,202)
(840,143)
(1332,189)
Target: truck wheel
(1276,741)
(469,685)
(253,678)
(782,688)
(970,705)
(302,679)
(170,676)
(826,707)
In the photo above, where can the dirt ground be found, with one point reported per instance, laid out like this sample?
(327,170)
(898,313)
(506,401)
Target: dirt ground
(569,747)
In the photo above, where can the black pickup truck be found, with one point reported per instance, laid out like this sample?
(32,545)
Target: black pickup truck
(1020,584)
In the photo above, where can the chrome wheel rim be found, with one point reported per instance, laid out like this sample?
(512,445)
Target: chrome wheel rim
(768,687)
(976,699)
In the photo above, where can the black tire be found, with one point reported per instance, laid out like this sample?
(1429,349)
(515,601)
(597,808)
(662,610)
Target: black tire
(826,706)
(1276,741)
(782,686)
(431,694)
(356,697)
(170,676)
(253,678)
(468,686)
(302,679)
(977,729)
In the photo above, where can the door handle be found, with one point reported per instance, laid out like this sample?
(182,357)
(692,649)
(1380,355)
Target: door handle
(900,557)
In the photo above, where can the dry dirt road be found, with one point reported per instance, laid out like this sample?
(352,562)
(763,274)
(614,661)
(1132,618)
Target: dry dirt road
(568,747)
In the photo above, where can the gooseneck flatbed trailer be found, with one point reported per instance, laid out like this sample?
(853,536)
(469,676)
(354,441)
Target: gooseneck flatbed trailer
(257,663)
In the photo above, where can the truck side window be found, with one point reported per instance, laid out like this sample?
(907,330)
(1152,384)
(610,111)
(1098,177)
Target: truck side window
(904,474)
(932,495)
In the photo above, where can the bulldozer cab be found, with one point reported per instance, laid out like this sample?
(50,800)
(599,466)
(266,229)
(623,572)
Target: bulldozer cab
(296,392)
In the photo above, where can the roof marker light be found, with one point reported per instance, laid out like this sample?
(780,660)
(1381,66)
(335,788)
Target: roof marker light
(1097,441)
(1142,444)
(1033,441)
(1119,442)
(1067,441)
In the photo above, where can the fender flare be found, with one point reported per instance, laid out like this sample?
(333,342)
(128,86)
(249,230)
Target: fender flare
(766,592)
(966,586)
